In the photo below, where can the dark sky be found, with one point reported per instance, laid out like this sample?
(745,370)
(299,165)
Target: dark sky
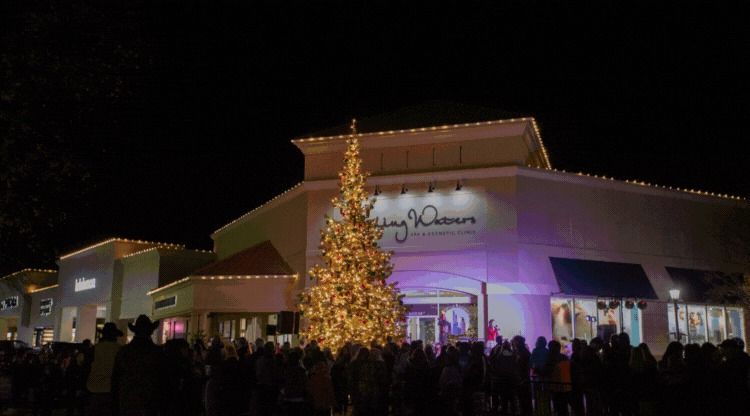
(180,113)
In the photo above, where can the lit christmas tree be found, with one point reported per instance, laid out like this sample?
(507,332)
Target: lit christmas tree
(351,300)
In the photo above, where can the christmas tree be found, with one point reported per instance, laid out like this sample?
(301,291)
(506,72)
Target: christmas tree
(351,300)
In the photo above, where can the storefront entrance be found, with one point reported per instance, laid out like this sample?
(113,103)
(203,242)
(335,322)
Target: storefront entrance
(440,316)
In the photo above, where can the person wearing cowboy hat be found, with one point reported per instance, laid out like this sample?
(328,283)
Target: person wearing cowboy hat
(140,375)
(100,377)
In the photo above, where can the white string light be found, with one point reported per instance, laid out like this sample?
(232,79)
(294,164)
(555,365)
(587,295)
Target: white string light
(118,240)
(260,207)
(223,277)
(43,288)
(28,270)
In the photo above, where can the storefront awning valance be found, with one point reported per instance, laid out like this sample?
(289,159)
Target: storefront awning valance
(601,278)
(696,285)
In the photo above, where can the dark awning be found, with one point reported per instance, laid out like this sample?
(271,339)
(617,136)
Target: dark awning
(601,278)
(696,285)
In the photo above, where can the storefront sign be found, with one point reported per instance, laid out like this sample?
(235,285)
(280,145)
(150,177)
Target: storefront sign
(83,283)
(165,303)
(435,217)
(9,303)
(45,307)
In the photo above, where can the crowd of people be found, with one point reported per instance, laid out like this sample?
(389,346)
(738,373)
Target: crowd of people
(264,378)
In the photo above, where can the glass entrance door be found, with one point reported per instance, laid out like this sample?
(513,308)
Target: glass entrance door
(423,328)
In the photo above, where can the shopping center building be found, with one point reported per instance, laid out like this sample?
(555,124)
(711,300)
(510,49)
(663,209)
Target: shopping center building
(486,233)
(487,236)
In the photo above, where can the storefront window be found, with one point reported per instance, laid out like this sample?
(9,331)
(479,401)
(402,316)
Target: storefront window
(696,320)
(609,322)
(735,323)
(677,333)
(562,320)
(632,324)
(585,318)
(716,329)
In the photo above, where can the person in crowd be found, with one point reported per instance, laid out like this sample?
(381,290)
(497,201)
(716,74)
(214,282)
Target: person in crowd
(294,387)
(99,381)
(75,374)
(268,380)
(225,387)
(557,369)
(643,384)
(139,376)
(474,380)
(339,379)
(181,379)
(320,389)
(504,378)
(673,380)
(538,361)
(523,363)
(367,382)
(451,382)
(416,384)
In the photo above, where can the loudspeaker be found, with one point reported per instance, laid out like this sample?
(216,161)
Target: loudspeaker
(288,322)
(270,329)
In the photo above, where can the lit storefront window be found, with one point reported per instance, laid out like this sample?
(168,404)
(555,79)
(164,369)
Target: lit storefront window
(735,323)
(704,323)
(588,318)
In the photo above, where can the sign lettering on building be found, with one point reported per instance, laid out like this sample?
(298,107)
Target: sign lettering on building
(83,283)
(45,307)
(432,219)
(9,303)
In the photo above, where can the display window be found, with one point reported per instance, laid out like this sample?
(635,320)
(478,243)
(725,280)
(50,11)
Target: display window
(589,317)
(704,323)
(696,323)
(735,323)
(717,331)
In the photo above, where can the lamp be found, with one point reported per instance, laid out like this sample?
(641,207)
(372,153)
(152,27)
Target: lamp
(459,185)
(377,190)
(431,187)
(404,189)
(674,294)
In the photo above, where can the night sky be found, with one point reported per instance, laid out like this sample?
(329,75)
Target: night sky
(164,120)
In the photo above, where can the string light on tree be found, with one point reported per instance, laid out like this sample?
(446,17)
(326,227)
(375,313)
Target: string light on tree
(352,300)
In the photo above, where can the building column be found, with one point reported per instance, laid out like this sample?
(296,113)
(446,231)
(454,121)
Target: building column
(482,313)
(86,323)
(3,328)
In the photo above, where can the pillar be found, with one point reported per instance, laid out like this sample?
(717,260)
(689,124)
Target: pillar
(86,323)
(3,328)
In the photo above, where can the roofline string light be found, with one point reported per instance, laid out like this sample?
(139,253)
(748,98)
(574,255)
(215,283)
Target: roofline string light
(117,240)
(532,120)
(28,270)
(245,215)
(171,248)
(223,277)
(43,288)
(650,185)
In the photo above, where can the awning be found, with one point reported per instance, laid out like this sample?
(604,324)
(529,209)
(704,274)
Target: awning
(601,278)
(696,285)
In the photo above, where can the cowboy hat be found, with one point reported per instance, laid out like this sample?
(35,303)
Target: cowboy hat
(143,325)
(110,330)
